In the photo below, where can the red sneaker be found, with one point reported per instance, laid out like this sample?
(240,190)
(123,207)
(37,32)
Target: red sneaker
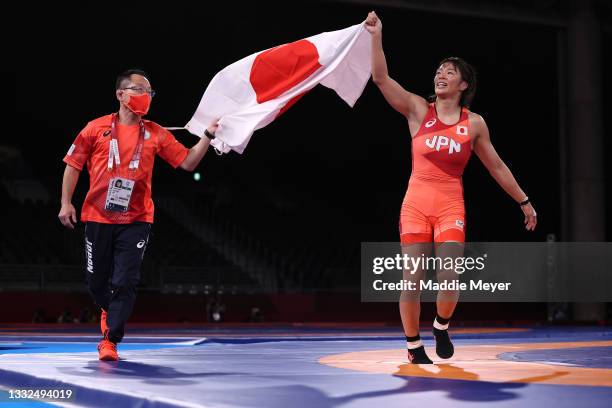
(107,351)
(103,326)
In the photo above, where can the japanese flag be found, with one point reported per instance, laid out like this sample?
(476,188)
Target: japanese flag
(250,93)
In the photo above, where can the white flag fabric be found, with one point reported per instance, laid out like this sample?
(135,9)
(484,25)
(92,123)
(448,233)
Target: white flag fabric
(249,94)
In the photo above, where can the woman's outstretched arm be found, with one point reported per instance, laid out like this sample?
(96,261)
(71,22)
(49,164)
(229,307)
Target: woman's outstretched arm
(408,104)
(497,168)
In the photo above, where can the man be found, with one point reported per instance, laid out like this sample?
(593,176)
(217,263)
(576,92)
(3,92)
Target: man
(119,150)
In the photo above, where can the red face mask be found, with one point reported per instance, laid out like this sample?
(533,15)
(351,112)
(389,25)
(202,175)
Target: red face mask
(139,104)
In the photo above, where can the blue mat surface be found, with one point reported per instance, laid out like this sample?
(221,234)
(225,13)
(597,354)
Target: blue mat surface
(279,368)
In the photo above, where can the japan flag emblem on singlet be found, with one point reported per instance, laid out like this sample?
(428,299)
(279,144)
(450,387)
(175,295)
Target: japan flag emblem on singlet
(462,130)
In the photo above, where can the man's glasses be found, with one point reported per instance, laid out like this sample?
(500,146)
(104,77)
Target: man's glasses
(140,90)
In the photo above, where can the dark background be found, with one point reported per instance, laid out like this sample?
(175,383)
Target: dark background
(323,177)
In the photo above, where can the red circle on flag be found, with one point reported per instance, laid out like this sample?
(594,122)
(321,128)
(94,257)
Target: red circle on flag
(279,69)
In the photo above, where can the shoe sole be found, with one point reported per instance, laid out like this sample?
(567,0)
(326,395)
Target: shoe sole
(108,358)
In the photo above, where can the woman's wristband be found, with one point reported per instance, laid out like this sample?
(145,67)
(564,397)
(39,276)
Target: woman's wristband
(524,202)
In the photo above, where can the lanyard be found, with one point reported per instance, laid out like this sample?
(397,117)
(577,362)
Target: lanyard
(113,151)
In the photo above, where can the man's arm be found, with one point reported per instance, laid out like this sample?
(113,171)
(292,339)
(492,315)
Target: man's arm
(67,214)
(198,150)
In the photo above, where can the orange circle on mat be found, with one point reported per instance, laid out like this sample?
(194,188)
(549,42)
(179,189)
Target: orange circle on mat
(479,363)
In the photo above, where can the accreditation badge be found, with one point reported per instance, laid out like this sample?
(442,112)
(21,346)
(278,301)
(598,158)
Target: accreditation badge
(119,194)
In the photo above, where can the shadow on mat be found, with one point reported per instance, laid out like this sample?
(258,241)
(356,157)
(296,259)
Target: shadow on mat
(151,374)
(467,388)
(461,384)
(308,396)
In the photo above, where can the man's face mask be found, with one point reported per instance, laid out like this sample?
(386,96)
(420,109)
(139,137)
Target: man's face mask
(139,104)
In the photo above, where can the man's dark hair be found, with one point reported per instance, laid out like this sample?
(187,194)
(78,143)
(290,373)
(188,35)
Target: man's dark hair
(126,75)
(468,74)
